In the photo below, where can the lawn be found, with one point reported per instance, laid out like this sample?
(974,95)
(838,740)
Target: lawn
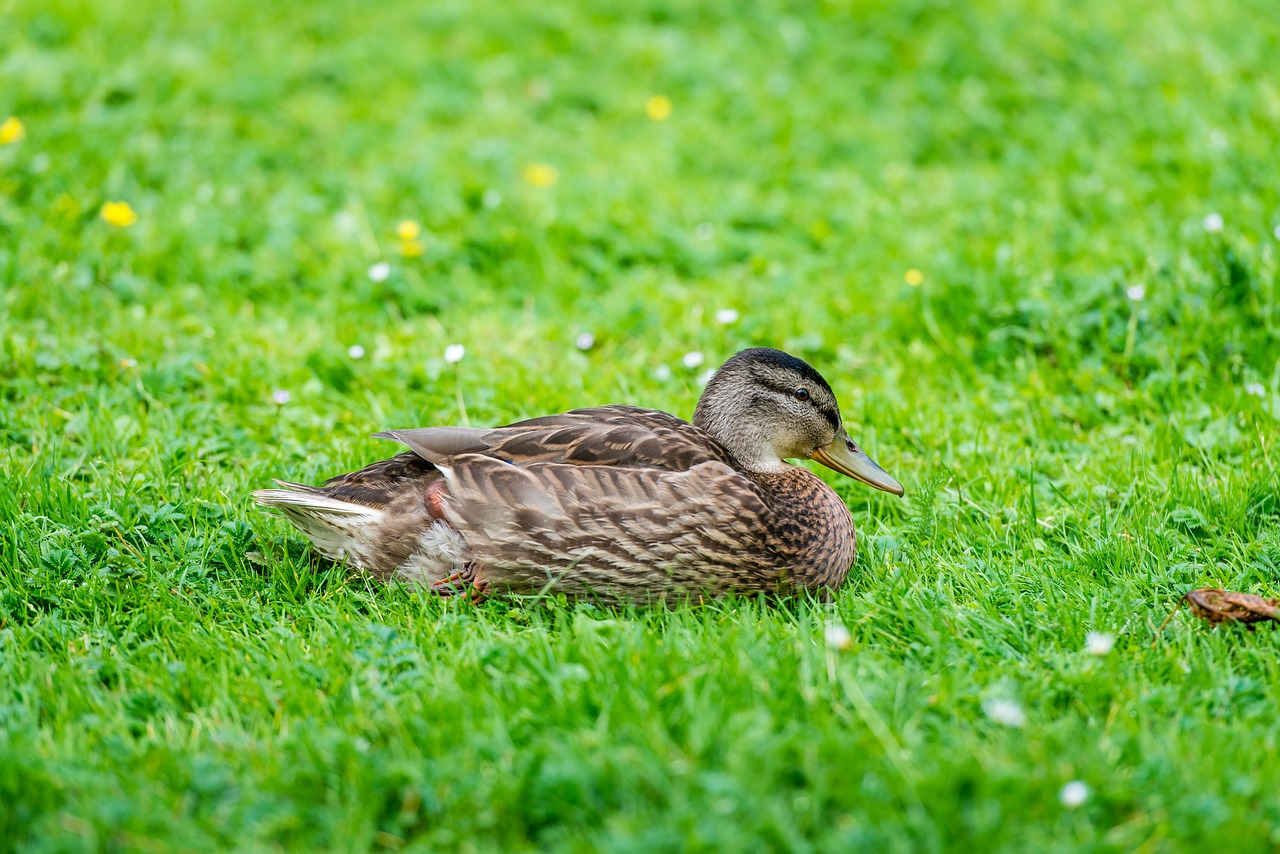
(1033,246)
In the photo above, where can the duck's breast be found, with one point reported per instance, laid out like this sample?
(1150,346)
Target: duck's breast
(812,528)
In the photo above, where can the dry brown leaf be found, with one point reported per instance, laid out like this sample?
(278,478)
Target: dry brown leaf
(1226,606)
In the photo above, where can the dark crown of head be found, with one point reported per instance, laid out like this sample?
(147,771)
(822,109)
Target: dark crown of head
(770,356)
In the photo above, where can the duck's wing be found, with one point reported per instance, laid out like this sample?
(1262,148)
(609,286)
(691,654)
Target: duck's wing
(624,531)
(609,436)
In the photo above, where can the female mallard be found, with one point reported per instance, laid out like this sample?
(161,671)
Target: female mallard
(614,501)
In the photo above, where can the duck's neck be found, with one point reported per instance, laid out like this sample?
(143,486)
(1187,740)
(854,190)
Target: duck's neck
(763,466)
(750,447)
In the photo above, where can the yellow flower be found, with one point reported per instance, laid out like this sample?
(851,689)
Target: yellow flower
(658,107)
(118,214)
(541,174)
(411,248)
(407,229)
(913,277)
(12,130)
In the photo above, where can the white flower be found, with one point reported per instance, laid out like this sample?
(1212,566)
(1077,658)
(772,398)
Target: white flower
(704,231)
(491,198)
(133,363)
(1213,223)
(691,359)
(280,396)
(705,376)
(1073,794)
(585,341)
(379,272)
(1004,712)
(726,316)
(662,372)
(355,351)
(453,353)
(838,637)
(1255,389)
(1137,293)
(1099,643)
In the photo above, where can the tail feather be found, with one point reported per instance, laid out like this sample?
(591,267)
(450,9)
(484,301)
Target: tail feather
(299,487)
(329,523)
(312,501)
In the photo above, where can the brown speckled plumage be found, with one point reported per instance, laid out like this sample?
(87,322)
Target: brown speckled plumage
(615,501)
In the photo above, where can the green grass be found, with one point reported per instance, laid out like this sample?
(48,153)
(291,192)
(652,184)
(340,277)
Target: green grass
(1075,460)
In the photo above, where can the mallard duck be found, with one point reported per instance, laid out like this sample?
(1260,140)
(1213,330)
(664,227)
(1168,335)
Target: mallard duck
(617,502)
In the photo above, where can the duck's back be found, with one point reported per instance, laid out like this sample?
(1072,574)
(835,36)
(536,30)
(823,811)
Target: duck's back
(613,436)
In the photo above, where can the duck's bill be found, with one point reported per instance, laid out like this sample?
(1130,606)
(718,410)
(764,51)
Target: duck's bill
(844,456)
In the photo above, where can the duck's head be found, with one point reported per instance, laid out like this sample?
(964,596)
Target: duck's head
(765,406)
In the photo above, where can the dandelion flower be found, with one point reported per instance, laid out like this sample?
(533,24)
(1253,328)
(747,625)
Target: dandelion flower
(541,175)
(407,229)
(453,353)
(12,130)
(411,248)
(1004,712)
(1213,223)
(1255,389)
(585,341)
(1099,643)
(379,272)
(913,277)
(726,316)
(280,397)
(355,351)
(119,214)
(1073,794)
(692,359)
(838,637)
(658,108)
(1136,293)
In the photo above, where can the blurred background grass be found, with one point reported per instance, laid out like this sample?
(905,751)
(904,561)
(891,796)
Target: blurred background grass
(1032,245)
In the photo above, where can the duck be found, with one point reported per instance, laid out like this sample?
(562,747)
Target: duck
(614,502)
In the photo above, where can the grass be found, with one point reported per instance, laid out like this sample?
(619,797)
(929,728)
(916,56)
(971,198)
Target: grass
(1081,396)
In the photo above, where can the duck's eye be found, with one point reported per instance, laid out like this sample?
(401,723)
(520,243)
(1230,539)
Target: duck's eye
(800,394)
